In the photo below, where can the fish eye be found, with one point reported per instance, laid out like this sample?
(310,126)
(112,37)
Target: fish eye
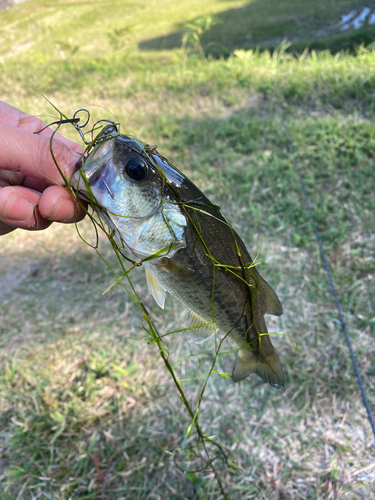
(136,169)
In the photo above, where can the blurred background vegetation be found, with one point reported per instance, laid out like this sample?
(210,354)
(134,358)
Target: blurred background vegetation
(85,404)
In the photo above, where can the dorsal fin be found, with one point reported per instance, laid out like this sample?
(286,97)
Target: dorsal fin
(201,334)
(273,304)
(155,289)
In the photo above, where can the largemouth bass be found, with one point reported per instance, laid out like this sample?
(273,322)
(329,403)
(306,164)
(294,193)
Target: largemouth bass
(192,252)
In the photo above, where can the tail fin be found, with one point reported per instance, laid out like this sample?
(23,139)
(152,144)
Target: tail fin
(267,366)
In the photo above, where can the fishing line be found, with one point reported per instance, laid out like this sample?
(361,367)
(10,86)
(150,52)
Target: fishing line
(327,268)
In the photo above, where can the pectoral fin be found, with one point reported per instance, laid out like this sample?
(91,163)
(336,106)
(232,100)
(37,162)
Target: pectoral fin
(155,289)
(200,333)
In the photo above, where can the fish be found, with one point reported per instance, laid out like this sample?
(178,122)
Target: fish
(185,244)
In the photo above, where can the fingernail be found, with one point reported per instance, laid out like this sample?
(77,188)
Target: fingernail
(17,209)
(78,165)
(63,210)
(72,212)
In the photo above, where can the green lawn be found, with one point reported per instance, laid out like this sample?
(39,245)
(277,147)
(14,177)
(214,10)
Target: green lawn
(82,394)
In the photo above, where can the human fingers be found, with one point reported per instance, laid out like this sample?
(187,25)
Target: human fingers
(5,229)
(9,178)
(24,121)
(58,205)
(30,154)
(19,209)
(27,209)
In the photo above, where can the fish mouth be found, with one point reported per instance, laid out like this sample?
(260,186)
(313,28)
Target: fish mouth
(96,172)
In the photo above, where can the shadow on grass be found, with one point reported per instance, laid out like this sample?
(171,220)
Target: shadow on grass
(265,24)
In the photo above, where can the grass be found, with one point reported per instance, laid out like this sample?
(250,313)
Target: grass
(47,30)
(81,394)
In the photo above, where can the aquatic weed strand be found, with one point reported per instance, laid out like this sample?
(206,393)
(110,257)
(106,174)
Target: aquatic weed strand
(243,271)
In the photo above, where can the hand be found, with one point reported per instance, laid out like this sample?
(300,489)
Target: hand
(29,196)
